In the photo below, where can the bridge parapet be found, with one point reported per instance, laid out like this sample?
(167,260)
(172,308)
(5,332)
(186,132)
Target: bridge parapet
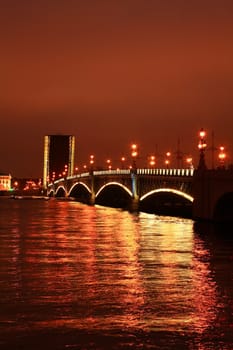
(166,172)
(77,176)
(111,172)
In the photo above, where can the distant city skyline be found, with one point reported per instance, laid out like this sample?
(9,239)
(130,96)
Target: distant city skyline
(112,73)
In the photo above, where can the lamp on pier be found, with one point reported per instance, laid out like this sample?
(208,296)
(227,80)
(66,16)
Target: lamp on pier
(189,162)
(108,161)
(134,154)
(152,161)
(123,162)
(202,146)
(91,162)
(168,159)
(222,156)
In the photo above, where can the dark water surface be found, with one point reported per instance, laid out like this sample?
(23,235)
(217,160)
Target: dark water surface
(80,277)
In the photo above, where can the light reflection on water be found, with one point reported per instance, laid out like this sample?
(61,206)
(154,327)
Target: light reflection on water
(79,272)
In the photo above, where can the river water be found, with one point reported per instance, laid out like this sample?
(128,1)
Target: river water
(79,277)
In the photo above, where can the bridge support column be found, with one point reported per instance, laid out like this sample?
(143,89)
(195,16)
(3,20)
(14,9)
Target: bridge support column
(203,192)
(134,205)
(92,197)
(135,199)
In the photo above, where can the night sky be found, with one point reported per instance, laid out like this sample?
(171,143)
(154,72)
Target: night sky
(112,72)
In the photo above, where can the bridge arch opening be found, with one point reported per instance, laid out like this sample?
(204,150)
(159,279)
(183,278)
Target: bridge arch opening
(80,192)
(114,195)
(166,201)
(61,192)
(223,210)
(51,193)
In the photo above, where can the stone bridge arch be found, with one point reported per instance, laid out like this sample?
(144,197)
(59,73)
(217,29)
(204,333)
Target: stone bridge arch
(114,194)
(61,191)
(167,201)
(50,193)
(81,192)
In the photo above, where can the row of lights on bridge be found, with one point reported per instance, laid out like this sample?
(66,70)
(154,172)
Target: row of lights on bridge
(134,155)
(152,159)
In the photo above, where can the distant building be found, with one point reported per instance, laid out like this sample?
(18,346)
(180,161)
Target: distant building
(26,186)
(58,157)
(5,182)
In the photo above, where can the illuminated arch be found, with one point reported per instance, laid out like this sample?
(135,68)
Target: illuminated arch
(60,187)
(170,190)
(79,183)
(116,184)
(50,192)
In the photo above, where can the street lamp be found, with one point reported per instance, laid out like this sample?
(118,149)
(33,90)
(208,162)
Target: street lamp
(91,161)
(222,156)
(189,162)
(134,154)
(202,146)
(167,160)
(123,162)
(152,161)
(108,161)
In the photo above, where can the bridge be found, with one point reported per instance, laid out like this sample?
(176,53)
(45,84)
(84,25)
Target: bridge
(199,194)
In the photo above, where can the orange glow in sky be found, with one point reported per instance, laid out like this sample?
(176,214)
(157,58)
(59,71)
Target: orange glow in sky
(112,71)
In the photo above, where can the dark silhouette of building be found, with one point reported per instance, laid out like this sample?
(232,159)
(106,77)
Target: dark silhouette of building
(58,157)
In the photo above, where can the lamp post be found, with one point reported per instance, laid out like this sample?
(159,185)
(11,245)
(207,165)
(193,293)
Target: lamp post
(152,161)
(202,146)
(91,162)
(134,154)
(189,162)
(135,199)
(222,156)
(65,171)
(123,162)
(167,160)
(108,161)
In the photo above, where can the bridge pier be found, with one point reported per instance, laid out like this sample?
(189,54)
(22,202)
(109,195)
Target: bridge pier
(134,207)
(92,198)
(201,210)
(213,193)
(135,198)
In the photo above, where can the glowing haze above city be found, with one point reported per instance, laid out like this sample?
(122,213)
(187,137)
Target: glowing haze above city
(111,73)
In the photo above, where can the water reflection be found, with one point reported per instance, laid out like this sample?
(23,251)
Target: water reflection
(217,247)
(67,266)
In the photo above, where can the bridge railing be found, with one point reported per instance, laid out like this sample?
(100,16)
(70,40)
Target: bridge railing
(166,172)
(158,172)
(112,172)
